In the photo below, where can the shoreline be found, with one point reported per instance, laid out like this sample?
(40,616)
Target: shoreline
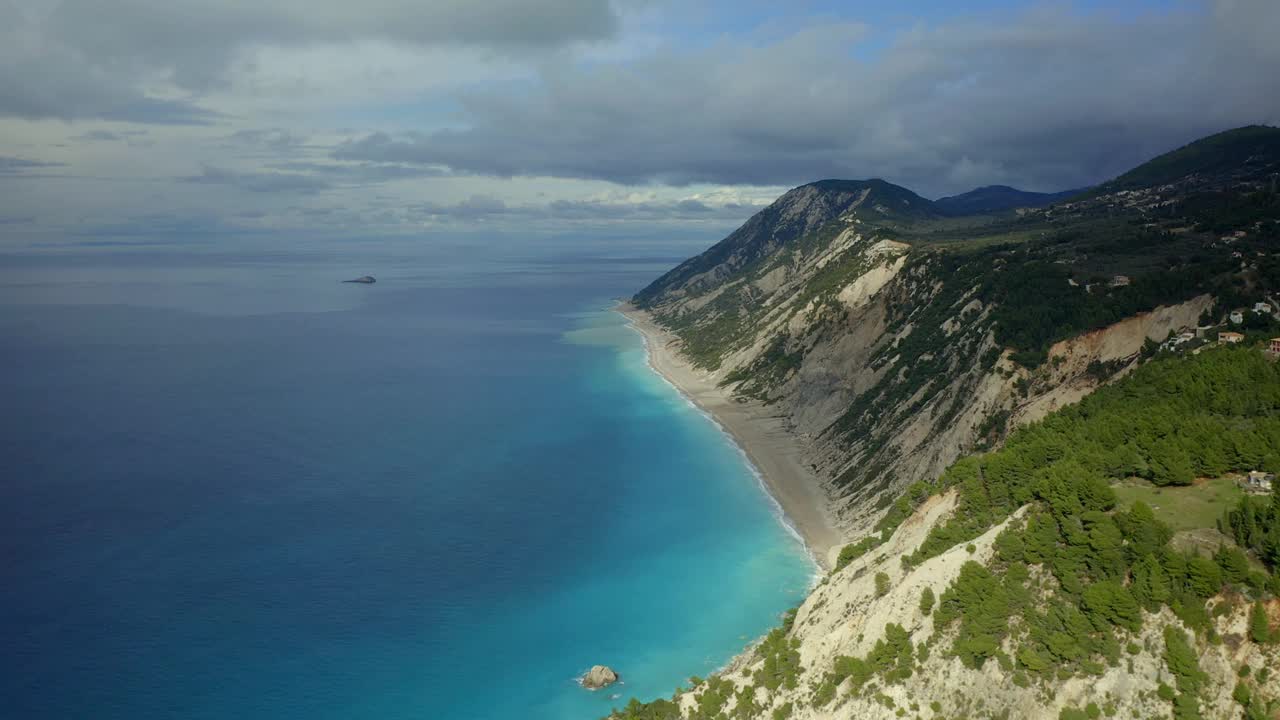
(773,453)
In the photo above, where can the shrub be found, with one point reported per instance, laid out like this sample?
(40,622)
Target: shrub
(849,553)
(926,600)
(882,584)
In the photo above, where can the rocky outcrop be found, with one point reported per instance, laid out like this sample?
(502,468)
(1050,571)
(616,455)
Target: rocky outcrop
(599,676)
(847,614)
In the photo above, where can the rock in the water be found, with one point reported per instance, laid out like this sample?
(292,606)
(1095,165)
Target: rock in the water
(365,280)
(599,676)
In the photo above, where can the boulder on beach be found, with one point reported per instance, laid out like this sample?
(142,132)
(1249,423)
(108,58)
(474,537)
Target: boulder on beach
(363,280)
(599,676)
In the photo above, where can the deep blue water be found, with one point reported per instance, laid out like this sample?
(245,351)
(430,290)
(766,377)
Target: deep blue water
(232,487)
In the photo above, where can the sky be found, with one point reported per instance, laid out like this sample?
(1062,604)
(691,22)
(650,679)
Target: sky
(131,121)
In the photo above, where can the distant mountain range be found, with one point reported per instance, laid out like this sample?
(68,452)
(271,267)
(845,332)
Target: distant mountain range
(997,198)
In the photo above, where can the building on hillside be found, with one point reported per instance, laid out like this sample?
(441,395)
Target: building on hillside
(1274,346)
(1119,281)
(1262,308)
(1236,317)
(1258,481)
(1230,338)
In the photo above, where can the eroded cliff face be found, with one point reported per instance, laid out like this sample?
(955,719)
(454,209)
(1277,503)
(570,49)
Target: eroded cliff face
(1069,376)
(882,361)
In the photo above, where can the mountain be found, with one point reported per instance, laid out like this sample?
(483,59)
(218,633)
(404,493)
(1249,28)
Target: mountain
(796,215)
(997,198)
(984,400)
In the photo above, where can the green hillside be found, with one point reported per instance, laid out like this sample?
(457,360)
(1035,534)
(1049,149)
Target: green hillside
(1225,153)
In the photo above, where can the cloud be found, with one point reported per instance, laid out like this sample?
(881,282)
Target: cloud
(74,59)
(693,206)
(134,138)
(361,173)
(596,210)
(1048,99)
(42,76)
(101,136)
(272,139)
(262,182)
(473,208)
(16,166)
(164,227)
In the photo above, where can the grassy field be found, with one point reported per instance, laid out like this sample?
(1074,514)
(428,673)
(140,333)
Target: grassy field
(1183,508)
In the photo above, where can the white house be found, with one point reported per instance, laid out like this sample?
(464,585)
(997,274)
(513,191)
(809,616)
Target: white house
(1258,481)
(1236,317)
(1262,307)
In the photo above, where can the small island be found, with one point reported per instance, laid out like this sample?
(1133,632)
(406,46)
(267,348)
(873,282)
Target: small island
(363,280)
(599,676)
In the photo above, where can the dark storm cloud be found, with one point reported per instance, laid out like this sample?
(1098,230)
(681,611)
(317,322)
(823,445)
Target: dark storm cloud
(73,59)
(1046,100)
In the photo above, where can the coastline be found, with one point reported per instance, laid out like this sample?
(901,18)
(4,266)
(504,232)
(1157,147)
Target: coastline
(771,449)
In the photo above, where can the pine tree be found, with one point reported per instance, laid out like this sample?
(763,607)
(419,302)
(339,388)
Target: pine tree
(1234,565)
(1259,626)
(926,600)
(1181,661)
(1150,586)
(1203,576)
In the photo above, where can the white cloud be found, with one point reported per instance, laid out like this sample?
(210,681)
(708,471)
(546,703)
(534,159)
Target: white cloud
(327,114)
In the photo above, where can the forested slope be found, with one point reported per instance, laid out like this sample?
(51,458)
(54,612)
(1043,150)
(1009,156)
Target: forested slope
(1067,586)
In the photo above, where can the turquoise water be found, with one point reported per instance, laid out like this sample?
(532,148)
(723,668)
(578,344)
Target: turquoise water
(236,488)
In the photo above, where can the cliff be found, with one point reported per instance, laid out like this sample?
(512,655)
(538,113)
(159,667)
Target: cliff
(921,360)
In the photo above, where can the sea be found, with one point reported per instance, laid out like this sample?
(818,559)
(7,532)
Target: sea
(232,486)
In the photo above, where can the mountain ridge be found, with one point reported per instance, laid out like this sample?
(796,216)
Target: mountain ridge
(798,212)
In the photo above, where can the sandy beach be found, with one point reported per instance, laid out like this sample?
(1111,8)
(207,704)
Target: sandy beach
(771,448)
